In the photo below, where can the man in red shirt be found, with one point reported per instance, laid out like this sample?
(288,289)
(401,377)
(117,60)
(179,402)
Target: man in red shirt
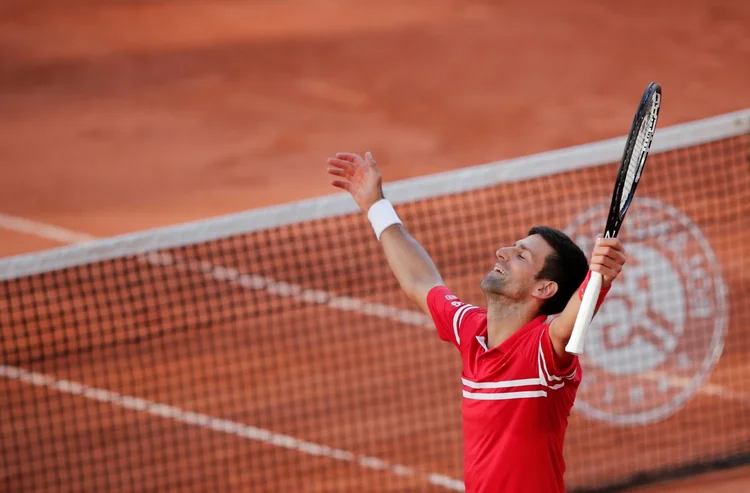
(519,383)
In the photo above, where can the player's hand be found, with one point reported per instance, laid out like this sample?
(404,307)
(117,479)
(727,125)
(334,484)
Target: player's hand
(360,177)
(607,259)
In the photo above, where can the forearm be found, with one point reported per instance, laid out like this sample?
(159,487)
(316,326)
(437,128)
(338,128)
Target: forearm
(410,263)
(562,327)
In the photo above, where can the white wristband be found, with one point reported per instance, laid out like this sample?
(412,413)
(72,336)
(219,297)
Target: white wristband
(381,216)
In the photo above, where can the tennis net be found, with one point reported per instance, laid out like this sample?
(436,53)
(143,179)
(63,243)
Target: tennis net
(272,350)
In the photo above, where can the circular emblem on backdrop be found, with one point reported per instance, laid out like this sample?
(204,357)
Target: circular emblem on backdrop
(661,329)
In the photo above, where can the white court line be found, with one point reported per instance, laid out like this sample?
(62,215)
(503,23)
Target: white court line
(166,411)
(220,425)
(300,293)
(42,230)
(708,389)
(314,296)
(232,276)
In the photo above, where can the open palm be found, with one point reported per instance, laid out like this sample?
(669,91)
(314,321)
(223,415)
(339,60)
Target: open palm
(360,177)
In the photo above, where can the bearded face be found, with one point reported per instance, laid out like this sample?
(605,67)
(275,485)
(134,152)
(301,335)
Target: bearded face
(514,274)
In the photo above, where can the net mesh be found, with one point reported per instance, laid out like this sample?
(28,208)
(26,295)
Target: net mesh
(286,359)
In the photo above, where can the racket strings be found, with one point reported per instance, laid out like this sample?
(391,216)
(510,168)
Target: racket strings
(637,159)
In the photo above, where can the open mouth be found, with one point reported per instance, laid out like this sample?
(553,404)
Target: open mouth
(500,270)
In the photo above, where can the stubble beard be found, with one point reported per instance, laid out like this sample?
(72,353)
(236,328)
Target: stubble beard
(493,285)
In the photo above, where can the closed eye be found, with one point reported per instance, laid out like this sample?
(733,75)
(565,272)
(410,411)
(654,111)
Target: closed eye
(524,250)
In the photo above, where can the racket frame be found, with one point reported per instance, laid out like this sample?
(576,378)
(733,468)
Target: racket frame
(617,209)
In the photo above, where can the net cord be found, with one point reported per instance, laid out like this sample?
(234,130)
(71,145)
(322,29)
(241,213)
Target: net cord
(408,190)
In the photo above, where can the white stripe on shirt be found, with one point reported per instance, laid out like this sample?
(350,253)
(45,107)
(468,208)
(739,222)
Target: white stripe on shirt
(502,384)
(481,396)
(543,372)
(458,318)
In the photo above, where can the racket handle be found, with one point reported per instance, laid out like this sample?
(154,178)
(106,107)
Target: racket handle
(585,314)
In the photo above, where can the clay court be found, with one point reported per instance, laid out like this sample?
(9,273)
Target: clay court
(121,116)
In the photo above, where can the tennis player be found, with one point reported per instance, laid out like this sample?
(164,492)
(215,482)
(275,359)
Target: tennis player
(519,383)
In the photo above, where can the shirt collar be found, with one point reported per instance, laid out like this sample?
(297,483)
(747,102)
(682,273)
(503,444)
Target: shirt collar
(508,343)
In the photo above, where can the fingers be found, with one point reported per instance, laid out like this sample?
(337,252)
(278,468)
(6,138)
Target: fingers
(612,257)
(348,159)
(370,159)
(341,164)
(355,159)
(344,185)
(342,168)
(611,247)
(607,258)
(608,262)
(609,242)
(608,274)
(338,172)
(608,252)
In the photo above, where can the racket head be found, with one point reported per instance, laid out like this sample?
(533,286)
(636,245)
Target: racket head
(634,157)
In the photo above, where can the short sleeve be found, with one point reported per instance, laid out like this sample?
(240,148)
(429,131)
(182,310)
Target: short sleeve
(550,372)
(448,313)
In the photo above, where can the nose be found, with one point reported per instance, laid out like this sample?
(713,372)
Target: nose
(502,254)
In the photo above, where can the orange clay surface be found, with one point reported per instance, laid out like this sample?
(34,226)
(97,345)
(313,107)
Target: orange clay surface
(119,116)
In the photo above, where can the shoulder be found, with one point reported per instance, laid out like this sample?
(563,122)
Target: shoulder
(441,294)
(453,318)
(442,297)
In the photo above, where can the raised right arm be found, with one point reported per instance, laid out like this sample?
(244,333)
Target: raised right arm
(410,263)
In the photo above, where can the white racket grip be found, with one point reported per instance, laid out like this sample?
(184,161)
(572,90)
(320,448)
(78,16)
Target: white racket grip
(585,314)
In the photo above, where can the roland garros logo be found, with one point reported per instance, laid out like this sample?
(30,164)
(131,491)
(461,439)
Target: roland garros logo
(661,330)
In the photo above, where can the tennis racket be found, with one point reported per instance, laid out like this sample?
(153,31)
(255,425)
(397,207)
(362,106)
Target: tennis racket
(634,158)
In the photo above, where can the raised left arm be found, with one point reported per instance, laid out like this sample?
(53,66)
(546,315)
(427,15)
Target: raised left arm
(607,258)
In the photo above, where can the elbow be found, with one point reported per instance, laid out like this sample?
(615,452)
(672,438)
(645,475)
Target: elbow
(417,289)
(560,332)
(411,289)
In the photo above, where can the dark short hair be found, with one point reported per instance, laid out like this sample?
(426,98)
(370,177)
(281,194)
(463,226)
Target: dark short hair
(567,266)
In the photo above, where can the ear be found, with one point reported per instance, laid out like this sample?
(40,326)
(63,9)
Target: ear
(544,290)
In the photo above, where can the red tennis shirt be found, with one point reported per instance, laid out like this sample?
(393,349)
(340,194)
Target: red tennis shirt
(516,402)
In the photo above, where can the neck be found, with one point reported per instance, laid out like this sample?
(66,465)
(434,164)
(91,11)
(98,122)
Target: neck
(505,318)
